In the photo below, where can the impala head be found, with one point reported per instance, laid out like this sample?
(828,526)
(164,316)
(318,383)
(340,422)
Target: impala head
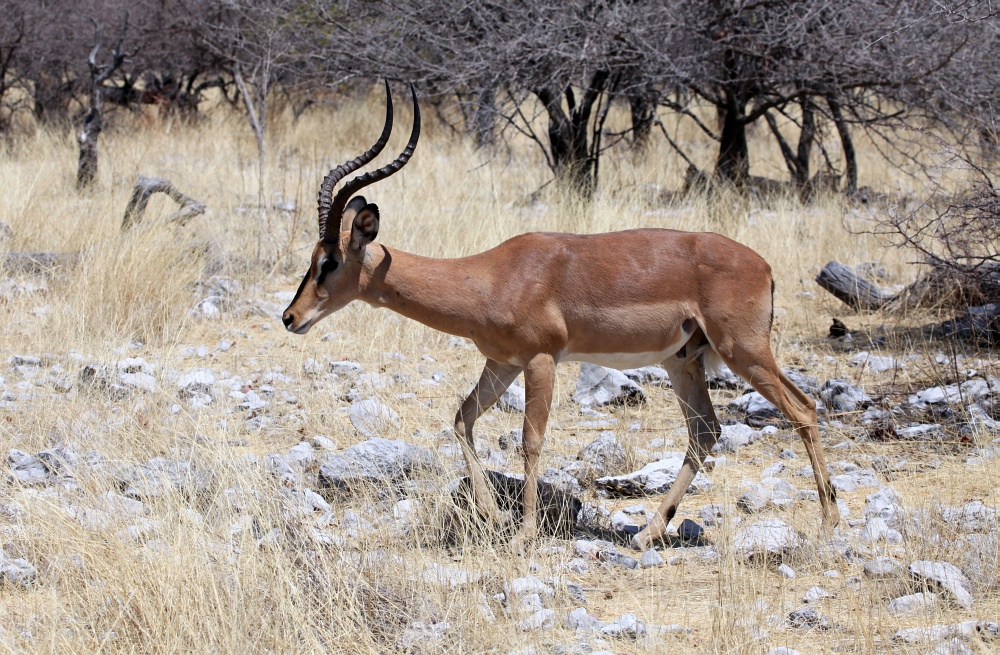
(334,274)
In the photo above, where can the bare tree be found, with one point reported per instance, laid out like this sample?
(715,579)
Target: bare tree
(93,121)
(12,37)
(561,62)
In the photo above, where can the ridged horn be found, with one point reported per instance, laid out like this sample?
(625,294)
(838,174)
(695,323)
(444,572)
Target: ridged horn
(336,175)
(361,181)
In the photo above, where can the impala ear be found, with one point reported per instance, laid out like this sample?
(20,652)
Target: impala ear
(356,204)
(364,229)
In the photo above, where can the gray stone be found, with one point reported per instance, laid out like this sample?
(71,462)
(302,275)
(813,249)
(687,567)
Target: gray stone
(544,619)
(421,637)
(626,626)
(944,576)
(527,585)
(754,500)
(885,504)
(528,604)
(160,476)
(767,537)
(814,594)
(782,650)
(876,363)
(300,455)
(620,559)
(712,515)
(951,647)
(561,480)
(974,516)
(580,621)
(844,483)
(722,377)
(786,571)
(940,632)
(883,567)
(689,531)
(807,383)
(734,437)
(120,381)
(599,386)
(969,391)
(842,397)
(452,577)
(346,368)
(375,461)
(373,418)
(788,453)
(773,470)
(513,399)
(913,603)
(27,469)
(195,383)
(922,432)
(877,529)
(650,559)
(755,408)
(511,439)
(807,617)
(16,570)
(651,375)
(652,479)
(605,455)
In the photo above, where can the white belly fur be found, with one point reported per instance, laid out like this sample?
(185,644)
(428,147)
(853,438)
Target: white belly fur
(621,360)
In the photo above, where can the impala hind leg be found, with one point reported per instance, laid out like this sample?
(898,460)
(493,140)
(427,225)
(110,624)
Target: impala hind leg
(539,379)
(492,383)
(688,380)
(757,366)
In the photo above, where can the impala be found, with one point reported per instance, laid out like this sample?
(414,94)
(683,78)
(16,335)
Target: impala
(622,299)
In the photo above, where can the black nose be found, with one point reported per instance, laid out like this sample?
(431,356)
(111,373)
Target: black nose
(288,319)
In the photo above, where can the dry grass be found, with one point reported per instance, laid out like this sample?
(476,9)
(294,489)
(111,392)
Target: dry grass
(197,580)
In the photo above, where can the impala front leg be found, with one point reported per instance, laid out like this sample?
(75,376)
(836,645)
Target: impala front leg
(539,379)
(492,383)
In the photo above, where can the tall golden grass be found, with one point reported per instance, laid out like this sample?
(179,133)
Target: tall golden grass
(207,574)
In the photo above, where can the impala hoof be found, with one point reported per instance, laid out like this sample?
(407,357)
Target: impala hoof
(642,541)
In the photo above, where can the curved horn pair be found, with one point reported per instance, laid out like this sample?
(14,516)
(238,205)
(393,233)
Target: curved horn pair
(335,209)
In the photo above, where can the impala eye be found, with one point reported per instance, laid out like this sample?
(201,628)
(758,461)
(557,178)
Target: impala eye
(328,266)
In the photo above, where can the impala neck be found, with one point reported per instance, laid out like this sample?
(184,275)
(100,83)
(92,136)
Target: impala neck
(443,294)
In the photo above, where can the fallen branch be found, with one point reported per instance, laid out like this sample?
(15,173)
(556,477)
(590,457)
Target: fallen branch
(852,289)
(978,324)
(147,186)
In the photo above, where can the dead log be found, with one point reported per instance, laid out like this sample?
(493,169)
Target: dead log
(852,289)
(147,186)
(977,324)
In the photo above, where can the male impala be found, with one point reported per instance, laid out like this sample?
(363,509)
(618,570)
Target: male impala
(622,299)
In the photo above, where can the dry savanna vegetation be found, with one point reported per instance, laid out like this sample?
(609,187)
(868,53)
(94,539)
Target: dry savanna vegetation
(172,507)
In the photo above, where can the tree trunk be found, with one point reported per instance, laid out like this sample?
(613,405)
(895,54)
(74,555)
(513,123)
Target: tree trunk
(484,116)
(642,106)
(850,158)
(568,135)
(93,123)
(806,136)
(49,98)
(733,164)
